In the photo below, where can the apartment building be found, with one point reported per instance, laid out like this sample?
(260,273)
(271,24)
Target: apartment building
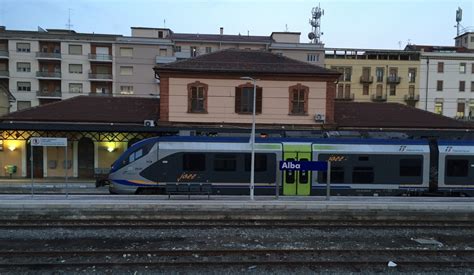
(447,80)
(370,75)
(44,66)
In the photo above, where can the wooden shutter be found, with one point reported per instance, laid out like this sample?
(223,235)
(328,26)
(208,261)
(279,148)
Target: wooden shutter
(238,99)
(258,103)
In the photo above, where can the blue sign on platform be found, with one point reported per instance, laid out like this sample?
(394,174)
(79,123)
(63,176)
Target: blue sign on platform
(304,165)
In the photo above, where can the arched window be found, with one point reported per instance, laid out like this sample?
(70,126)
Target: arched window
(244,99)
(298,99)
(197,97)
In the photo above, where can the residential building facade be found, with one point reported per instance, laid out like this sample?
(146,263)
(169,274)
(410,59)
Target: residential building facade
(369,75)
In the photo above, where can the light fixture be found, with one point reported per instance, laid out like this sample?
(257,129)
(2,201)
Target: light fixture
(110,148)
(11,147)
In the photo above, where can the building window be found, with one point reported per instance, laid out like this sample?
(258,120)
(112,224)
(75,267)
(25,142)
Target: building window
(75,88)
(20,105)
(347,74)
(412,75)
(126,52)
(160,34)
(126,70)
(311,57)
(411,91)
(462,86)
(23,67)
(193,51)
(75,49)
(208,49)
(177,49)
(197,97)
(244,99)
(23,86)
(23,47)
(163,52)
(365,89)
(472,86)
(298,99)
(462,68)
(440,67)
(75,68)
(393,89)
(472,67)
(379,74)
(439,85)
(438,108)
(126,90)
(471,108)
(460,109)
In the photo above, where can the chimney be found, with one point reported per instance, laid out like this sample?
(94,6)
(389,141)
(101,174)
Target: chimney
(222,30)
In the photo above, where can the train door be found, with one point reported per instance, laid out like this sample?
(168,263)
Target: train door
(297,182)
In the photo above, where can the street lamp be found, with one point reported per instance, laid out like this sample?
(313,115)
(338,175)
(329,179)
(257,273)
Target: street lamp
(252,138)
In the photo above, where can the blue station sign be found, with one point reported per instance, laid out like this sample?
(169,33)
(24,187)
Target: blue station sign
(304,165)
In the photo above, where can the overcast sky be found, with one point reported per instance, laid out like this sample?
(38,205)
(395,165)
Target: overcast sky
(346,23)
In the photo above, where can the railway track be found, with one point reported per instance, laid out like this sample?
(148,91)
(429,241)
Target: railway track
(185,223)
(349,258)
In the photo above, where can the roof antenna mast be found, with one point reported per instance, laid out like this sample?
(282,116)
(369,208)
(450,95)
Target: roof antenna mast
(315,22)
(69,25)
(458,19)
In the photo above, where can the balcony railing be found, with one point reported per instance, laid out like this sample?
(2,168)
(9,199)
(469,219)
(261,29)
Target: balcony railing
(4,74)
(412,98)
(393,80)
(4,54)
(165,59)
(43,55)
(48,74)
(49,94)
(100,57)
(100,76)
(465,118)
(366,79)
(346,97)
(378,98)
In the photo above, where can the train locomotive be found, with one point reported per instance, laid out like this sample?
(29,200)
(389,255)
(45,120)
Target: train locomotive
(358,166)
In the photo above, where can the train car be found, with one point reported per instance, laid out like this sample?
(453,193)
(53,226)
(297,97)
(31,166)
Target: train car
(456,167)
(363,166)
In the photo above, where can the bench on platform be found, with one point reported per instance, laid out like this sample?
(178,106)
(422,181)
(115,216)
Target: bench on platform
(188,189)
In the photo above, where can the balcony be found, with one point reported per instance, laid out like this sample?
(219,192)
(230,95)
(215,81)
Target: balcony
(49,94)
(48,56)
(100,57)
(465,118)
(100,77)
(165,59)
(412,98)
(48,75)
(4,74)
(378,98)
(347,97)
(182,55)
(4,54)
(366,79)
(393,80)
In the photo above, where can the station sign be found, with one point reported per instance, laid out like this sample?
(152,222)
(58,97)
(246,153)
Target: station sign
(304,165)
(59,142)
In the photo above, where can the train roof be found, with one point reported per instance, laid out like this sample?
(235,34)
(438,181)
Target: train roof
(281,140)
(456,142)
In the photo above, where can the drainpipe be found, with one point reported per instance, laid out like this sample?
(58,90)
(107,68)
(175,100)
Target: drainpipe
(427,76)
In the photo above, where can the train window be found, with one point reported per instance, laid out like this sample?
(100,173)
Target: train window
(410,167)
(225,162)
(290,175)
(303,174)
(337,175)
(194,162)
(457,167)
(363,158)
(363,174)
(260,162)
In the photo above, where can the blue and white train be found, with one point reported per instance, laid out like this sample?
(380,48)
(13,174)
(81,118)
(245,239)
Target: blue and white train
(358,166)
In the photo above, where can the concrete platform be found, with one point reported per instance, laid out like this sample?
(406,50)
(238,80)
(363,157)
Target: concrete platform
(237,207)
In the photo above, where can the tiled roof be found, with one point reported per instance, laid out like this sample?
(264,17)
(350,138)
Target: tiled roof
(391,115)
(218,37)
(244,61)
(92,109)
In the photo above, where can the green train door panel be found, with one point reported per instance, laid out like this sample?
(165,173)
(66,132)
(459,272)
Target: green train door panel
(296,182)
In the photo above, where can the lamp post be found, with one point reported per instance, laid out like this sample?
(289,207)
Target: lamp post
(252,138)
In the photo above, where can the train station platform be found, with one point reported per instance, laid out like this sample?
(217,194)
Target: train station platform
(234,207)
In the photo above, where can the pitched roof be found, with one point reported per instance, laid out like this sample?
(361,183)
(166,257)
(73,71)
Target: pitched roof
(218,37)
(391,115)
(244,61)
(95,109)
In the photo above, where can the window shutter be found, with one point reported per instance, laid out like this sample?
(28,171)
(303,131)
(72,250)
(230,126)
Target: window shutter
(238,98)
(190,99)
(306,100)
(292,94)
(258,103)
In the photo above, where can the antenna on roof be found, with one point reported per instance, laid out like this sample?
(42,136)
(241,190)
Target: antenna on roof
(286,27)
(69,25)
(164,23)
(458,19)
(315,22)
